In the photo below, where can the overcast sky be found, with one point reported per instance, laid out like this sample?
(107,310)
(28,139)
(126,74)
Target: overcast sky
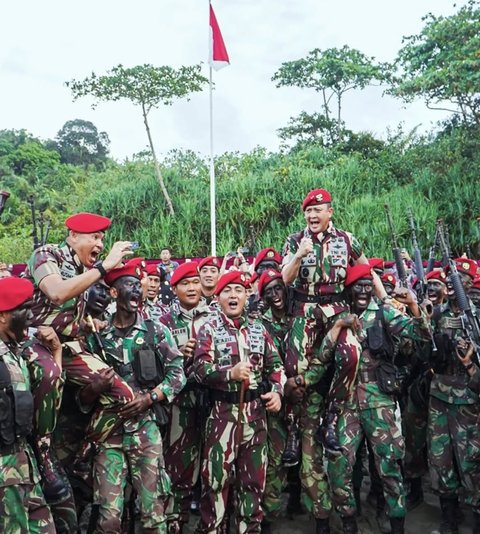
(43,44)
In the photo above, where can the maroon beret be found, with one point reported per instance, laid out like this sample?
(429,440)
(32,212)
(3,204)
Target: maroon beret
(357,272)
(437,275)
(186,270)
(14,292)
(87,223)
(233,277)
(269,254)
(131,268)
(388,278)
(152,270)
(376,263)
(209,261)
(266,277)
(317,196)
(476,283)
(466,266)
(253,278)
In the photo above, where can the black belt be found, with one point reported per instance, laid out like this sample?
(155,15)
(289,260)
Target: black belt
(233,397)
(318,299)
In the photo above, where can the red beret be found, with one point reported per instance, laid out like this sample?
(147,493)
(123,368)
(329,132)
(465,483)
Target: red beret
(152,270)
(476,283)
(253,278)
(437,275)
(87,223)
(186,270)
(269,254)
(233,277)
(466,266)
(376,263)
(388,278)
(357,272)
(317,196)
(209,261)
(131,268)
(266,277)
(14,292)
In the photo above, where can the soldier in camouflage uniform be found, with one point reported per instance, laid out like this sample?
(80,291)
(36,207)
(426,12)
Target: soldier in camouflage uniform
(22,504)
(453,414)
(60,275)
(474,292)
(145,355)
(370,411)
(315,262)
(233,356)
(184,436)
(209,270)
(153,306)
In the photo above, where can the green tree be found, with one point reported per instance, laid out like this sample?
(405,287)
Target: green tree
(332,73)
(80,143)
(441,64)
(146,86)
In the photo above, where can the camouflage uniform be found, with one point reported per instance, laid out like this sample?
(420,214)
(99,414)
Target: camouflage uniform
(80,365)
(134,450)
(22,505)
(454,417)
(154,309)
(183,437)
(233,438)
(369,412)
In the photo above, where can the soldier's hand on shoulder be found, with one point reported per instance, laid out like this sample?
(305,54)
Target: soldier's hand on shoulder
(350,321)
(118,252)
(48,336)
(241,371)
(138,405)
(103,380)
(272,400)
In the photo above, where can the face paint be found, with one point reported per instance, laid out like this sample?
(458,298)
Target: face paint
(274,294)
(362,291)
(98,299)
(129,293)
(21,319)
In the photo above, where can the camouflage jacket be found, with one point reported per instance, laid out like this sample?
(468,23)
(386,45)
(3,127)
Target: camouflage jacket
(55,259)
(220,346)
(278,331)
(18,467)
(451,383)
(153,309)
(120,348)
(323,271)
(185,324)
(366,393)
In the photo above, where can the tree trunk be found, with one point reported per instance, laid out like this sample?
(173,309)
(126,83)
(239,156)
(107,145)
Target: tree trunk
(157,166)
(339,118)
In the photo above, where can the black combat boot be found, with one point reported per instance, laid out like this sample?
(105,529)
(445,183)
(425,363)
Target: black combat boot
(476,523)
(398,525)
(449,524)
(294,505)
(349,525)
(322,526)
(414,496)
(329,431)
(266,527)
(291,454)
(53,486)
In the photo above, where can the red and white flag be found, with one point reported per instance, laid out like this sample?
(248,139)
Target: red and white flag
(218,52)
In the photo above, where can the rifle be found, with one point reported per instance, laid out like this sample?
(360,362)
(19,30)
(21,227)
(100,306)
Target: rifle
(402,273)
(36,241)
(431,254)
(469,318)
(417,258)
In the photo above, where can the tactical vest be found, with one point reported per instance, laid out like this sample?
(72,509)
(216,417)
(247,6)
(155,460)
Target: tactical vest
(16,410)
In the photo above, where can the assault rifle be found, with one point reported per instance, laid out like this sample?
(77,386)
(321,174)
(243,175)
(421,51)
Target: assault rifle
(399,264)
(431,254)
(417,258)
(469,317)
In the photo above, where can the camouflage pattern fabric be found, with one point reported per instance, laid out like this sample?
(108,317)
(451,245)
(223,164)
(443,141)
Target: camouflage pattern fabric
(154,309)
(183,438)
(22,505)
(221,345)
(415,420)
(380,428)
(135,456)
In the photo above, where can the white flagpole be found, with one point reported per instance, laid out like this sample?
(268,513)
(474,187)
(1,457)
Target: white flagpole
(213,218)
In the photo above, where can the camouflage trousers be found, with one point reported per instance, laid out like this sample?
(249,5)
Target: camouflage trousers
(138,457)
(23,510)
(47,386)
(380,428)
(81,367)
(454,449)
(414,420)
(224,449)
(182,457)
(276,475)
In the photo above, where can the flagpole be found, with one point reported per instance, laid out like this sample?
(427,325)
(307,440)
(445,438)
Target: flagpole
(213,218)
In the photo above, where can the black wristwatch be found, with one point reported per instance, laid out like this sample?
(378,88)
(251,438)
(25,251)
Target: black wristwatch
(153,396)
(299,380)
(100,268)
